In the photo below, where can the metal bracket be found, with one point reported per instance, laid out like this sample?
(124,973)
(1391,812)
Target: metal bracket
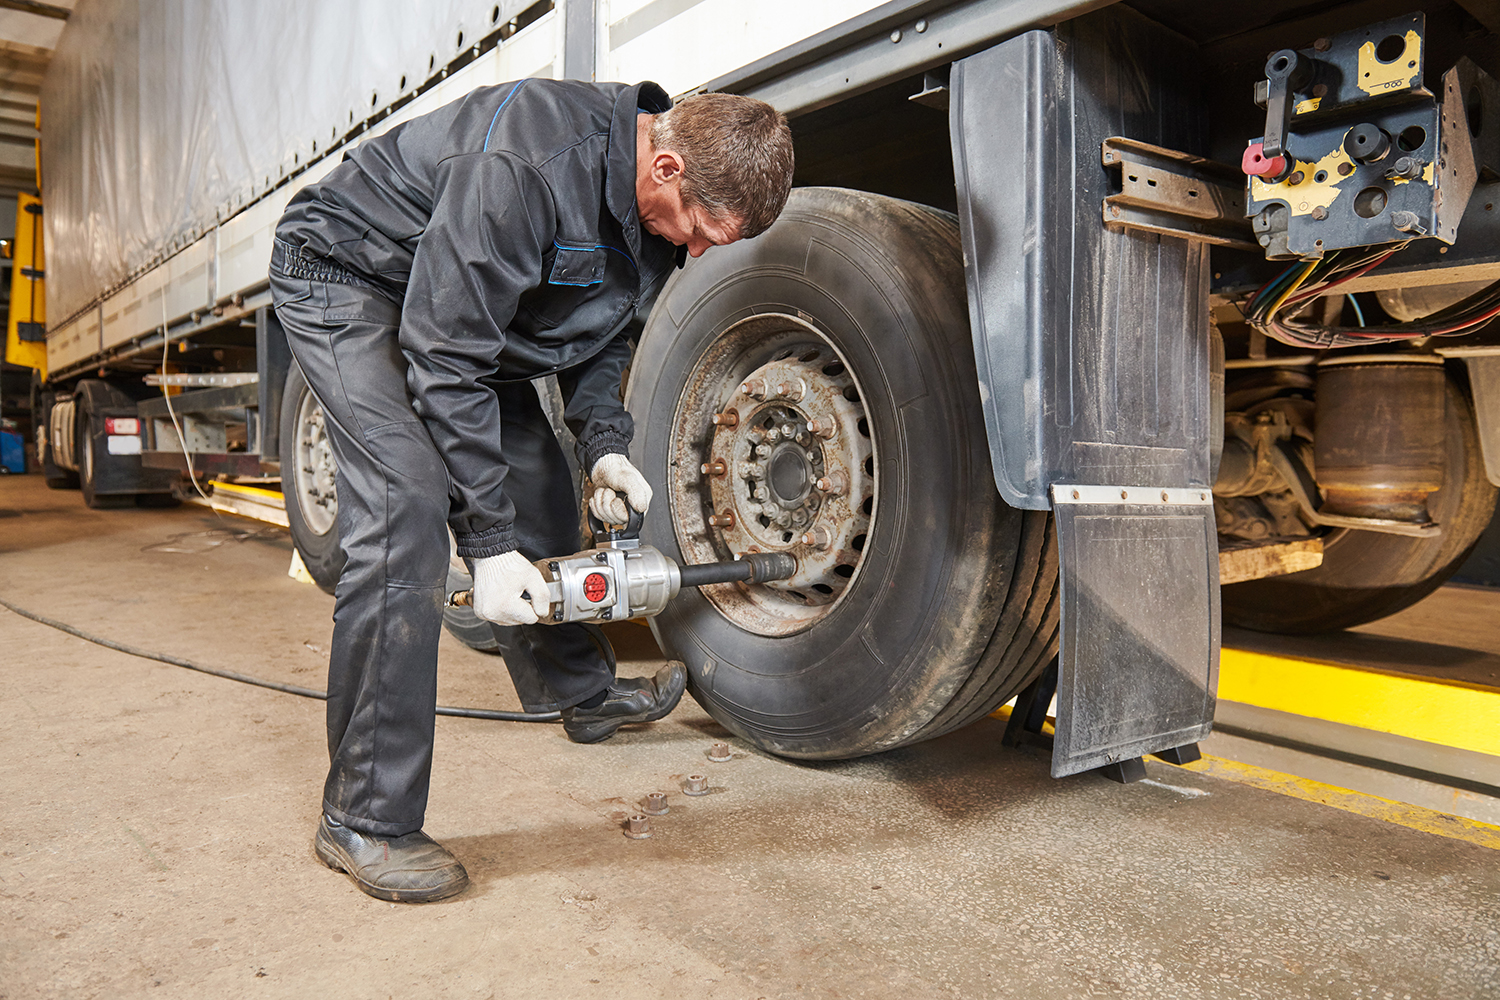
(1304,489)
(1484,386)
(1176,194)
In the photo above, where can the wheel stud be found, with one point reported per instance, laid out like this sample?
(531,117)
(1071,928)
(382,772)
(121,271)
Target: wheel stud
(834,484)
(724,520)
(819,538)
(715,468)
(729,418)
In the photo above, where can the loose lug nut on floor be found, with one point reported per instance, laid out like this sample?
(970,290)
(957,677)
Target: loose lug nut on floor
(655,804)
(638,827)
(695,784)
(719,753)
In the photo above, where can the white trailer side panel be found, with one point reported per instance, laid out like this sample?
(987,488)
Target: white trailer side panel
(162,118)
(232,257)
(683,44)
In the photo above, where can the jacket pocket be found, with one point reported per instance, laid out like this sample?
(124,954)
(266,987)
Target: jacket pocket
(578,266)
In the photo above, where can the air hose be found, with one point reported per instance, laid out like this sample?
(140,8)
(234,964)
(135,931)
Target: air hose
(302,692)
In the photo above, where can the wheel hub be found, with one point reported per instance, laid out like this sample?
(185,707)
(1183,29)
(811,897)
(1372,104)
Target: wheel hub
(316,470)
(787,466)
(789,474)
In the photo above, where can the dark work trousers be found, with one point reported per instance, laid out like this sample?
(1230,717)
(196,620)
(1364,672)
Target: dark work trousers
(392,521)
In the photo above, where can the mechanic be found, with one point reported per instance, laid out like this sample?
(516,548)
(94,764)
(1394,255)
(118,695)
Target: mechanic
(521,231)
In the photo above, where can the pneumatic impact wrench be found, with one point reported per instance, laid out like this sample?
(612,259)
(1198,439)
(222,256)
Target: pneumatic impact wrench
(620,578)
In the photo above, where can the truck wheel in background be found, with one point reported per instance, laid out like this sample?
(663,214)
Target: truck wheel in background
(1368,575)
(467,627)
(90,398)
(840,339)
(309,482)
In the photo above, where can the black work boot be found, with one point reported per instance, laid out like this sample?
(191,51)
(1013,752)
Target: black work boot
(412,868)
(630,699)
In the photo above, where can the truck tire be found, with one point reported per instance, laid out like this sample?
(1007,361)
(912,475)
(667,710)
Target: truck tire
(1368,575)
(926,602)
(309,482)
(90,397)
(56,477)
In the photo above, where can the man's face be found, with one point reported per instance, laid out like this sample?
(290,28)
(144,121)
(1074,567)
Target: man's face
(684,224)
(661,207)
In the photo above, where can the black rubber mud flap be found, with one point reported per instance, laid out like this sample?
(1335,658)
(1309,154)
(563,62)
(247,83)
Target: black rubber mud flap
(1140,623)
(1093,353)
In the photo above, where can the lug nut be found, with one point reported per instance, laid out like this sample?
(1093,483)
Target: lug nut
(729,418)
(755,387)
(823,427)
(773,435)
(792,390)
(789,432)
(694,784)
(655,804)
(834,484)
(724,520)
(762,451)
(638,827)
(715,468)
(819,538)
(719,753)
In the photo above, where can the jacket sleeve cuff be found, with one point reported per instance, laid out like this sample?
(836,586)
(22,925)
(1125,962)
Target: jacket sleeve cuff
(494,541)
(601,444)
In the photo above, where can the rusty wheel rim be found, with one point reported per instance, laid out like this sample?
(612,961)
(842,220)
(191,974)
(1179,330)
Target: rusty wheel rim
(771,451)
(316,471)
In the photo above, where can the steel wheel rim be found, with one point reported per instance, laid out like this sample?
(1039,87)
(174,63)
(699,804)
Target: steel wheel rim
(743,483)
(315,476)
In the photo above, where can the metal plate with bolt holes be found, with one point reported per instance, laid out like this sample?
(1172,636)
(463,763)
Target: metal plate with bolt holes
(1140,622)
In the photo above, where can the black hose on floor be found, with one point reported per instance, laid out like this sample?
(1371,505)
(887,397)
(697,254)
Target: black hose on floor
(462,713)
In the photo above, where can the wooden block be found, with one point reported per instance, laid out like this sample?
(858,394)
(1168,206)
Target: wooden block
(1241,561)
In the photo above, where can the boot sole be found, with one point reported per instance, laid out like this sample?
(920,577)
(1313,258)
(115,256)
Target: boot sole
(333,858)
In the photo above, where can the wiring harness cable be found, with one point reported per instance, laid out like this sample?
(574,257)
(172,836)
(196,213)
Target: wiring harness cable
(1279,308)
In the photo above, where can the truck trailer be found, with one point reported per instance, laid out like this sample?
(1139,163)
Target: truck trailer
(1087,324)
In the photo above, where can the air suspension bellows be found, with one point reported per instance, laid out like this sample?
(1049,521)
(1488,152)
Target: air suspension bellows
(1379,445)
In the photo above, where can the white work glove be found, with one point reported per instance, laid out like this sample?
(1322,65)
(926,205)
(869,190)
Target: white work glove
(498,583)
(613,475)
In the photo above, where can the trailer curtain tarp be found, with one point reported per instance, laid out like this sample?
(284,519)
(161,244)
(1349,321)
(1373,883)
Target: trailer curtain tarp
(162,117)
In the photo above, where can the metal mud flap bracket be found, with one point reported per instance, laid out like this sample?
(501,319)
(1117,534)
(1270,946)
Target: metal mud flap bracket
(1092,343)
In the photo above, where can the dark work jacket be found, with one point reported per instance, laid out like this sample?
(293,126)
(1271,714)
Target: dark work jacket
(505,224)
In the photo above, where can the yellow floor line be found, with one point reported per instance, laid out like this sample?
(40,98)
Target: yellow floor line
(273,496)
(1448,713)
(1389,811)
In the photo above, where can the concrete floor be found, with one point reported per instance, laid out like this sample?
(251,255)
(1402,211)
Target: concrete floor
(158,823)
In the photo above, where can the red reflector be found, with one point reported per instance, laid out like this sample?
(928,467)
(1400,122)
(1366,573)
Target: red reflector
(122,425)
(595,586)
